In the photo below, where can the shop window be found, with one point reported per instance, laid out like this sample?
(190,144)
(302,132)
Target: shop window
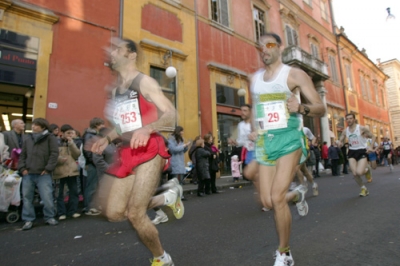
(168,85)
(228,96)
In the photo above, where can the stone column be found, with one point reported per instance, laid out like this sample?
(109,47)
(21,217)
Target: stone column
(319,85)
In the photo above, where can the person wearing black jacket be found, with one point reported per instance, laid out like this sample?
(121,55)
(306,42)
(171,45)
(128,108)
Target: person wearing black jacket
(201,158)
(37,161)
(213,163)
(317,153)
(92,179)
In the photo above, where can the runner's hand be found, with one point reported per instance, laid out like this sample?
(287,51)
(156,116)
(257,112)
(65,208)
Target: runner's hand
(252,136)
(98,146)
(140,137)
(293,104)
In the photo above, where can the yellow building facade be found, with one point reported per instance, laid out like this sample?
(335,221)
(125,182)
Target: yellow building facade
(164,31)
(35,25)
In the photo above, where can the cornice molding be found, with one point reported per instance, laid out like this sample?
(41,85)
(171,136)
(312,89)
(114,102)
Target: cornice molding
(29,11)
(226,69)
(162,48)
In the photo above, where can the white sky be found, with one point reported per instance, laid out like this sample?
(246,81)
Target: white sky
(366,26)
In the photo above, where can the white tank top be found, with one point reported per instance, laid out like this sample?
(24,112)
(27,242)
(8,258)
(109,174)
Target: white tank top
(274,92)
(356,141)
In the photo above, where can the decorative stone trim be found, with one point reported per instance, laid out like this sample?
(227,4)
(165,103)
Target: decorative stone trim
(29,11)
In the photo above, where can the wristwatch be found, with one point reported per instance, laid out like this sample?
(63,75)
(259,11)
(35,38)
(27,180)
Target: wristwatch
(306,110)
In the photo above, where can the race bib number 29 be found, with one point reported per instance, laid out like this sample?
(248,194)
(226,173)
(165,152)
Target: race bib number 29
(271,112)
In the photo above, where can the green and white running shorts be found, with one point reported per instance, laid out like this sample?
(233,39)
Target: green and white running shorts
(275,144)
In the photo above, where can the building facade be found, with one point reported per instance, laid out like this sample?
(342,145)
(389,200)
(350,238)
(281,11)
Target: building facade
(57,54)
(61,75)
(364,88)
(392,70)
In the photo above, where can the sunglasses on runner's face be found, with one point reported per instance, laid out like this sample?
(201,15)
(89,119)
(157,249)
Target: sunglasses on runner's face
(269,45)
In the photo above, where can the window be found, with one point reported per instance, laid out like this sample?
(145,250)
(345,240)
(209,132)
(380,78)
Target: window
(349,77)
(308,2)
(376,93)
(324,9)
(383,98)
(259,23)
(332,65)
(362,85)
(314,50)
(219,12)
(368,88)
(168,85)
(291,36)
(228,96)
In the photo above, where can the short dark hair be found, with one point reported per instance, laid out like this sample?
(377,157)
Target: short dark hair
(246,105)
(325,142)
(273,35)
(352,114)
(131,45)
(66,127)
(53,127)
(41,122)
(96,122)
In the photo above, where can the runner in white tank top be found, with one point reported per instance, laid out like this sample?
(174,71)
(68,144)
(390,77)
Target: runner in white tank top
(357,137)
(387,147)
(280,143)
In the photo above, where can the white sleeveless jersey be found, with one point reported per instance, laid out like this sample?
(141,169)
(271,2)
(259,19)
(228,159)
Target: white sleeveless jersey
(387,145)
(273,95)
(356,141)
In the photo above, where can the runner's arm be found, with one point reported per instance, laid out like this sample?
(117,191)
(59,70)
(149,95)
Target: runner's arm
(151,91)
(314,106)
(341,139)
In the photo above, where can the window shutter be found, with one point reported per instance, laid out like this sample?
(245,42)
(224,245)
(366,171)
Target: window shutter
(295,42)
(289,36)
(224,13)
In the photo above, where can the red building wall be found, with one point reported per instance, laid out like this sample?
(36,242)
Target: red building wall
(77,76)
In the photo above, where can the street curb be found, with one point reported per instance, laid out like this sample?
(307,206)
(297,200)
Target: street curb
(221,185)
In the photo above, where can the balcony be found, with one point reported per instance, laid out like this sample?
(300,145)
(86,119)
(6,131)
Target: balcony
(294,55)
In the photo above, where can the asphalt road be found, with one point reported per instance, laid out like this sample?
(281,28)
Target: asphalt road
(230,229)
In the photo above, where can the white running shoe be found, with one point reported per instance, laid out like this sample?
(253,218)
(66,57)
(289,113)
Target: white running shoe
(284,259)
(293,185)
(315,189)
(265,209)
(302,206)
(160,219)
(176,205)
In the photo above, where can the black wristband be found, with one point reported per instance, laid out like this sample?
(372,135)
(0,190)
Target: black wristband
(306,110)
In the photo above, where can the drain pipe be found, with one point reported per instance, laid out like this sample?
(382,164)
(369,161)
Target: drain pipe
(121,17)
(198,65)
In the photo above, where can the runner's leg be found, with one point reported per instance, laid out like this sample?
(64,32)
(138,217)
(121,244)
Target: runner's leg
(145,184)
(274,184)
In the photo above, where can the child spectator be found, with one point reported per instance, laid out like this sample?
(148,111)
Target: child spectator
(235,168)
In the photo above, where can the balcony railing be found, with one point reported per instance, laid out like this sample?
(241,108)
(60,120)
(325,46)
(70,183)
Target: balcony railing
(295,55)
